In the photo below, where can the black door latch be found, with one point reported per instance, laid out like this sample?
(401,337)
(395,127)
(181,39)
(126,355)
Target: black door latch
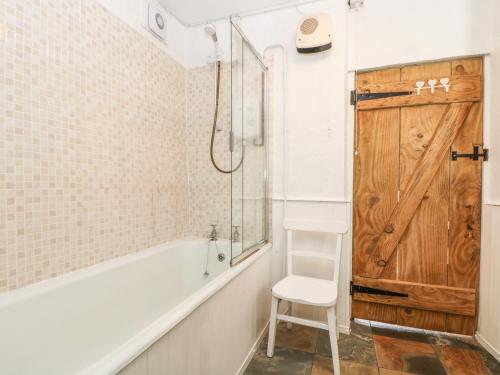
(367,290)
(474,156)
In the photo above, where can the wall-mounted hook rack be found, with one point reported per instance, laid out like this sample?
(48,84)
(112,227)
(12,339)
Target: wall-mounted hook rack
(432,85)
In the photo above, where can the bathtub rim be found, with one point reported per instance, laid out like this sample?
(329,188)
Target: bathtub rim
(126,353)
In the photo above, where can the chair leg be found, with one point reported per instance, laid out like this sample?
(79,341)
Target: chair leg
(332,330)
(272,327)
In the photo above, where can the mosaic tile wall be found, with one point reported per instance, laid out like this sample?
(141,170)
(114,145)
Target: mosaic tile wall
(92,140)
(209,190)
(101,154)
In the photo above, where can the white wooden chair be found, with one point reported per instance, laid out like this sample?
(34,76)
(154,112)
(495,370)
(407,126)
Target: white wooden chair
(308,290)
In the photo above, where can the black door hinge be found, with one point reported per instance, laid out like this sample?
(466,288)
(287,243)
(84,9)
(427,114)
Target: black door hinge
(355,97)
(367,290)
(474,156)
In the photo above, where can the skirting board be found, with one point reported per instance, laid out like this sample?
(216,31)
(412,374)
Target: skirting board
(342,329)
(252,351)
(489,348)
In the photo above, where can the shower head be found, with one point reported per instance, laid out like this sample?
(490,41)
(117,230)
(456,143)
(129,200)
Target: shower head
(211,31)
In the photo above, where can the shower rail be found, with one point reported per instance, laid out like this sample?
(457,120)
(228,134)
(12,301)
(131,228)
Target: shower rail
(249,44)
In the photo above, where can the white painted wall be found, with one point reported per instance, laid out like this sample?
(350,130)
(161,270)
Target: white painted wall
(134,12)
(489,303)
(387,32)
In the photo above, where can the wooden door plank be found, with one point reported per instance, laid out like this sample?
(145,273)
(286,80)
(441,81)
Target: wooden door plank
(421,296)
(415,72)
(374,311)
(464,88)
(460,324)
(418,184)
(424,319)
(467,66)
(465,205)
(375,185)
(423,248)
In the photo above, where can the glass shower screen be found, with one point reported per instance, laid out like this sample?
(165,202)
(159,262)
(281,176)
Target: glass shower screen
(249,141)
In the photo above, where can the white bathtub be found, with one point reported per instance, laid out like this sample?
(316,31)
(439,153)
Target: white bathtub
(97,320)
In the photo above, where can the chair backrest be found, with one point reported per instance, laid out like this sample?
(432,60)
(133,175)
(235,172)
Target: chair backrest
(333,227)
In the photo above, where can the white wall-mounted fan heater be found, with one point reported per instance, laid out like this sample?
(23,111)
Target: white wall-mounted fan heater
(314,33)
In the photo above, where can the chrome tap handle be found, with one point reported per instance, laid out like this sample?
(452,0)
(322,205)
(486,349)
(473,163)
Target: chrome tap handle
(213,233)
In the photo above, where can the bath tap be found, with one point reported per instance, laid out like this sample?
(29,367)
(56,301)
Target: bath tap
(212,237)
(236,234)
(213,234)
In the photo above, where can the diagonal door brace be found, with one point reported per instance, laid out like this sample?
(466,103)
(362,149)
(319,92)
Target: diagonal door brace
(427,167)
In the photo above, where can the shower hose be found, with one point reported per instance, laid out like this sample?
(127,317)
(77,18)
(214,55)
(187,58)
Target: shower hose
(216,114)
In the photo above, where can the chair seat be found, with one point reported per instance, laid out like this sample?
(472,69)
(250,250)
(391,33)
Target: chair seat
(306,290)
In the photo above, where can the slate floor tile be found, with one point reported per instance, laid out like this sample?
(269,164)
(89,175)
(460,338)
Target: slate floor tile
(353,348)
(405,355)
(460,361)
(491,363)
(361,329)
(298,337)
(324,366)
(353,368)
(373,349)
(284,362)
(441,340)
(403,333)
(384,371)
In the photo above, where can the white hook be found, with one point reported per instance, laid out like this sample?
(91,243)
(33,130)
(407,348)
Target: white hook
(420,85)
(445,82)
(432,84)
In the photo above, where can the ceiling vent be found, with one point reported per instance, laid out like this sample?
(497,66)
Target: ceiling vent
(314,33)
(157,18)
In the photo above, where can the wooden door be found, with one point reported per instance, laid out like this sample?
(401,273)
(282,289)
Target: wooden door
(416,242)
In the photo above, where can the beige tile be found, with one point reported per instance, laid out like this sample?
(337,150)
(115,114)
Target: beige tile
(92,168)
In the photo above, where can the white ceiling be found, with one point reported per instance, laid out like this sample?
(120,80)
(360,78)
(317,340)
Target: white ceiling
(195,12)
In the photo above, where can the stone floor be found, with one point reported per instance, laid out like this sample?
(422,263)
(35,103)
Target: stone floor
(373,349)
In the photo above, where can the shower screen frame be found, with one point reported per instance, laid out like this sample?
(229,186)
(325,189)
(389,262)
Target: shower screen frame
(264,133)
